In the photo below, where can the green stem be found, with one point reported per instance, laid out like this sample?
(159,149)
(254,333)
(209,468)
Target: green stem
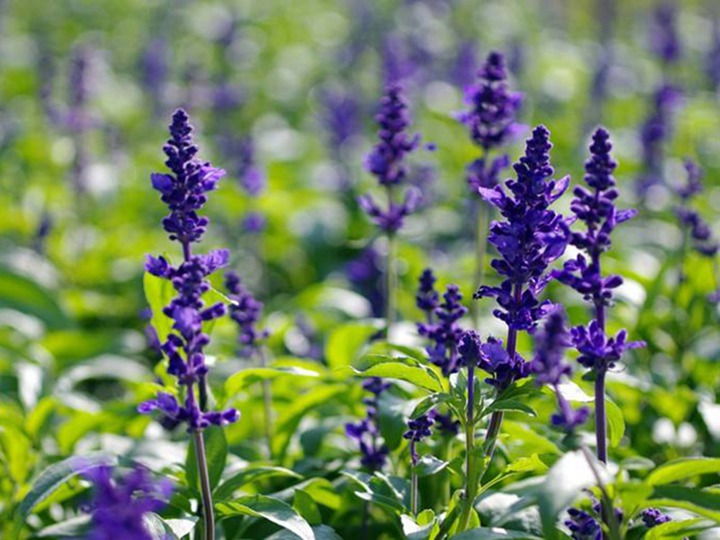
(414,492)
(471,473)
(206,492)
(481,228)
(390,285)
(609,518)
(267,404)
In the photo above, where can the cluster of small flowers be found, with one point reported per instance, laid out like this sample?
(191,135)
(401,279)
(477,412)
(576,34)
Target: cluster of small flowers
(491,120)
(596,209)
(184,191)
(246,311)
(387,162)
(119,502)
(442,328)
(689,218)
(366,432)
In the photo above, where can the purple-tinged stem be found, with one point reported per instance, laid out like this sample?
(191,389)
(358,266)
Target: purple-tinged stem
(471,480)
(201,460)
(413,479)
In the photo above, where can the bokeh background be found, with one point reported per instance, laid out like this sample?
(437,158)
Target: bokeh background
(283,95)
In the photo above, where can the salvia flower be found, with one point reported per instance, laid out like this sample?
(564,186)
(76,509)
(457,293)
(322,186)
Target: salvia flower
(583,526)
(503,368)
(418,429)
(444,331)
(690,220)
(374,452)
(386,162)
(595,208)
(550,367)
(119,502)
(246,311)
(654,134)
(491,119)
(652,517)
(529,238)
(427,298)
(184,192)
(664,39)
(365,275)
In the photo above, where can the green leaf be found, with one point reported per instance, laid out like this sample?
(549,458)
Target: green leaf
(306,507)
(293,414)
(321,532)
(27,296)
(56,475)
(616,423)
(346,342)
(509,405)
(72,528)
(158,294)
(564,482)
(429,402)
(494,533)
(226,490)
(429,465)
(703,502)
(682,469)
(677,529)
(216,450)
(417,375)
(247,377)
(273,510)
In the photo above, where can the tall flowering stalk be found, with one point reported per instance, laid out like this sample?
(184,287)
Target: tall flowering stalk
(387,163)
(366,432)
(184,191)
(418,429)
(595,208)
(528,239)
(246,312)
(491,124)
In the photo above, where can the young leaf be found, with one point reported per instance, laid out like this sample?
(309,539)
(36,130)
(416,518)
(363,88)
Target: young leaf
(226,489)
(158,293)
(273,510)
(682,469)
(346,342)
(417,375)
(616,423)
(429,465)
(306,507)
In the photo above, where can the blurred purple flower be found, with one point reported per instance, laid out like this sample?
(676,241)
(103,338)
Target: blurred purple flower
(443,331)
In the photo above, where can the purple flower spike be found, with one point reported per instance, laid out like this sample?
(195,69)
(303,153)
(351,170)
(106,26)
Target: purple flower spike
(490,120)
(427,298)
(366,432)
(664,39)
(386,162)
(503,368)
(444,332)
(184,192)
(583,526)
(652,517)
(550,368)
(690,219)
(531,237)
(418,429)
(119,503)
(246,312)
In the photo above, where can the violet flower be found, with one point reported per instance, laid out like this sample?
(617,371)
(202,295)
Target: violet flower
(365,275)
(652,517)
(366,432)
(119,503)
(529,239)
(427,298)
(583,526)
(692,223)
(443,331)
(184,191)
(595,208)
(418,429)
(550,367)
(491,120)
(655,132)
(664,39)
(246,311)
